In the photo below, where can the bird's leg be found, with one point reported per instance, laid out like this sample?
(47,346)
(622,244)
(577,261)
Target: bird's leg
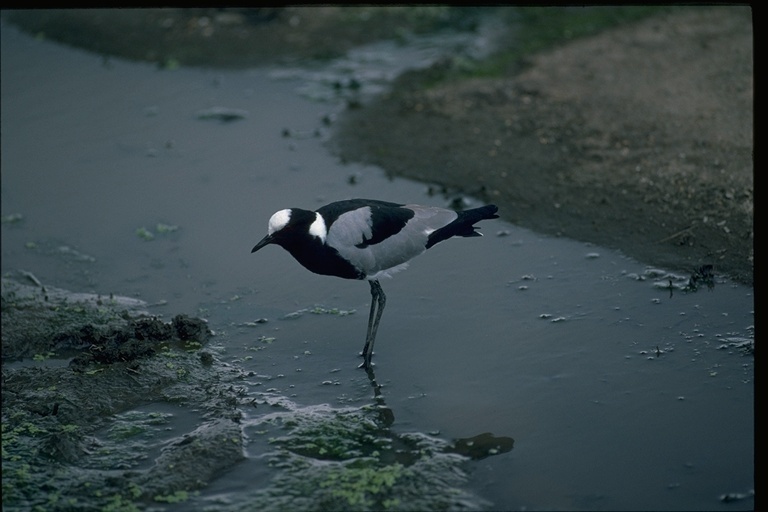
(371,316)
(382,301)
(378,301)
(369,337)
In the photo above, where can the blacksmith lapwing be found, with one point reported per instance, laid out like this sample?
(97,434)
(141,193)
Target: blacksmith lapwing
(367,239)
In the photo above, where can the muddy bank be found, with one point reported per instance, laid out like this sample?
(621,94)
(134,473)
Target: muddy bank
(638,139)
(98,397)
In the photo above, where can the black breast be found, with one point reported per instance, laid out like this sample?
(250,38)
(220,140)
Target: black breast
(321,259)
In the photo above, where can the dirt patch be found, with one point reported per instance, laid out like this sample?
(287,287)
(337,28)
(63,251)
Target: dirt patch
(640,138)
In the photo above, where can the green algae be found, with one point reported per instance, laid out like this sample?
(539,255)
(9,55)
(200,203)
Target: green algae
(326,458)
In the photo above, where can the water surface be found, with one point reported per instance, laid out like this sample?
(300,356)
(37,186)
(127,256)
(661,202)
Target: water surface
(620,393)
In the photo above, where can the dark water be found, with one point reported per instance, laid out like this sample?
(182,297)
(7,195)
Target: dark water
(619,394)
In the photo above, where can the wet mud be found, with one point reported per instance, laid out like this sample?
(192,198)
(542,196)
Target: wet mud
(61,425)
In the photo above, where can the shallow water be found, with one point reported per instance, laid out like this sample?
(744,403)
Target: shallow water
(619,394)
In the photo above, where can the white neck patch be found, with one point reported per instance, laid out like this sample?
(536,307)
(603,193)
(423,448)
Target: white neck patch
(317,228)
(279,220)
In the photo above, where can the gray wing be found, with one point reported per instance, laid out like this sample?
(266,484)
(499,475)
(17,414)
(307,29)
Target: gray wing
(354,238)
(350,229)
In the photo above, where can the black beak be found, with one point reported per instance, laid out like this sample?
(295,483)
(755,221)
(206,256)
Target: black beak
(264,241)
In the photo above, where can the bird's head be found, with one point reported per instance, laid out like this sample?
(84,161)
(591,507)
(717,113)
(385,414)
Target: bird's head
(293,226)
(277,223)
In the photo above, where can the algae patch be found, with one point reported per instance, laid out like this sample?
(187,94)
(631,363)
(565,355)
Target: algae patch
(326,458)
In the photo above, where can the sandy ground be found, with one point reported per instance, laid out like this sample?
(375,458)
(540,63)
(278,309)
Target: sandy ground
(639,139)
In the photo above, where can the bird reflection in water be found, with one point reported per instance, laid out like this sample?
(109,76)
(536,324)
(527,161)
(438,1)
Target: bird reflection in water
(476,447)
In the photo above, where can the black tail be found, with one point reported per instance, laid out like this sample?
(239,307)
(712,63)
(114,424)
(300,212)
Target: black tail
(464,224)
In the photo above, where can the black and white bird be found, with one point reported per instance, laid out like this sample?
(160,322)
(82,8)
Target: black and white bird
(367,239)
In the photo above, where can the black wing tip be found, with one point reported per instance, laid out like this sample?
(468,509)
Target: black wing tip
(488,211)
(493,210)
